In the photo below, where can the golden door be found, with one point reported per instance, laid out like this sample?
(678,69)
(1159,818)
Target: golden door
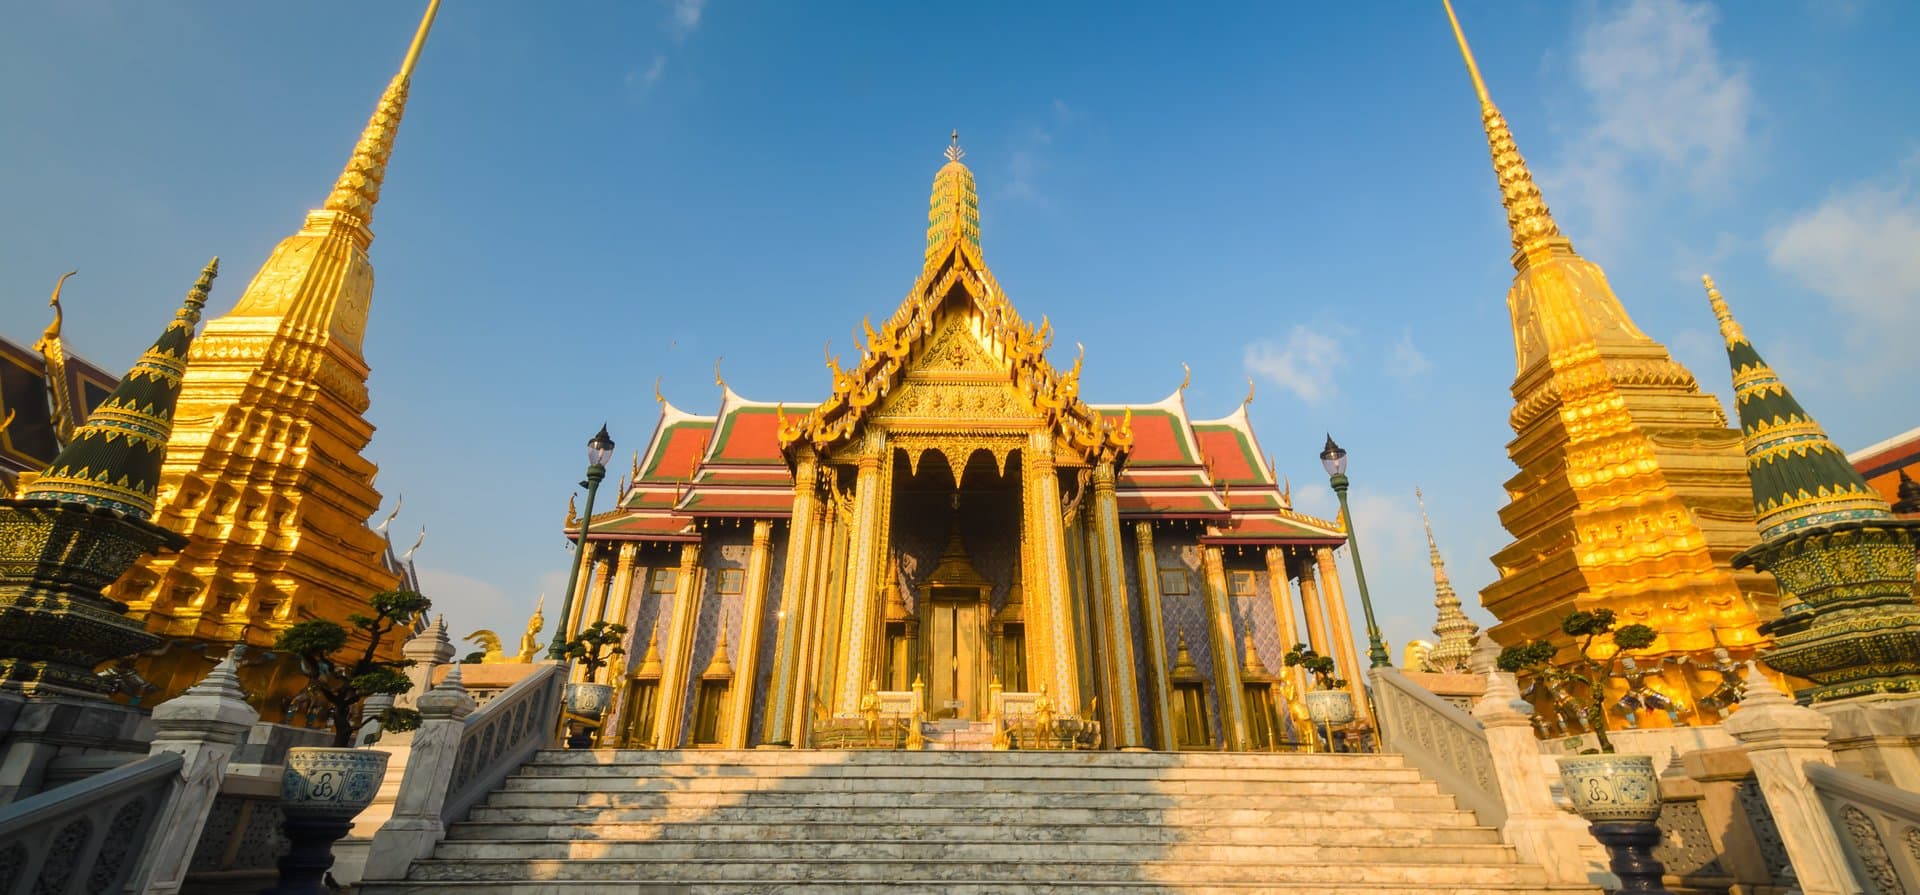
(956,657)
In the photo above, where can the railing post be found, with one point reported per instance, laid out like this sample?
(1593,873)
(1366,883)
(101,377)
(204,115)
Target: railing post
(416,826)
(1781,739)
(204,725)
(1535,827)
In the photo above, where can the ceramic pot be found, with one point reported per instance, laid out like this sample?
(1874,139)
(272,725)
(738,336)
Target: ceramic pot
(1330,707)
(589,700)
(1612,788)
(326,783)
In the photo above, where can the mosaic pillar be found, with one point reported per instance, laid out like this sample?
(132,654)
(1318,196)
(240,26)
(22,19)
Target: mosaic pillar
(1342,632)
(1049,576)
(1226,671)
(1283,615)
(864,570)
(794,595)
(1159,686)
(747,667)
(686,616)
(1111,603)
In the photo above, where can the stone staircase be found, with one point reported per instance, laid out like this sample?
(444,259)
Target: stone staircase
(968,823)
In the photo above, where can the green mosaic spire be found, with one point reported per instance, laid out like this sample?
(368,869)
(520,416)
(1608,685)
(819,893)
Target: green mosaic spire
(1800,478)
(114,460)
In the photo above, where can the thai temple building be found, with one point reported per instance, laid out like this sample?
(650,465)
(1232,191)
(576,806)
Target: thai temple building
(954,519)
(264,473)
(1631,491)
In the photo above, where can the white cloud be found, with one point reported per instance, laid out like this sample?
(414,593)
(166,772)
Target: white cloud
(638,80)
(684,18)
(1858,249)
(1405,361)
(471,604)
(1665,110)
(1303,365)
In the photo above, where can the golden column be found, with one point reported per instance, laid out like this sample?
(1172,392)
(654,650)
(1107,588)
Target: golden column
(794,593)
(1111,589)
(1159,686)
(747,668)
(822,606)
(1046,557)
(673,684)
(595,581)
(865,570)
(623,586)
(1281,592)
(1226,671)
(1342,632)
(1316,612)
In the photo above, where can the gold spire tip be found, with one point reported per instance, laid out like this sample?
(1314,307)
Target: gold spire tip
(954,152)
(197,296)
(1729,327)
(419,39)
(1466,52)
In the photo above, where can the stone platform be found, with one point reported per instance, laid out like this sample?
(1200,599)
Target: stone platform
(968,822)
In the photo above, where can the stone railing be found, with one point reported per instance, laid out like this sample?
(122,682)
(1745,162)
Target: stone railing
(1444,742)
(85,836)
(499,738)
(1878,827)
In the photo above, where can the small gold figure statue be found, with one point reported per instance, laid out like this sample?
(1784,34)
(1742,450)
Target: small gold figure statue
(870,713)
(1043,715)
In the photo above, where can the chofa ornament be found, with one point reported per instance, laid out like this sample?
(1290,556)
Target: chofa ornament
(1612,788)
(331,783)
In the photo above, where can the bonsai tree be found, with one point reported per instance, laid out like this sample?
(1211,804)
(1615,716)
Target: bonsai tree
(596,646)
(345,681)
(1321,667)
(1591,674)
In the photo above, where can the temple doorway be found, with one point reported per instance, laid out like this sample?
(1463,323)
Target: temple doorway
(957,661)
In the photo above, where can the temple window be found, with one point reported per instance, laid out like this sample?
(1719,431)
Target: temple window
(1240,584)
(1174,582)
(643,699)
(1264,731)
(1013,659)
(662,581)
(732,581)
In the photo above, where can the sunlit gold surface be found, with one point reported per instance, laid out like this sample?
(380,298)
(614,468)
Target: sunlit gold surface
(1631,492)
(264,473)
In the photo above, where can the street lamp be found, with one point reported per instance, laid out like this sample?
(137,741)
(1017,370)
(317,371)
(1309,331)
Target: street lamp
(599,451)
(1334,458)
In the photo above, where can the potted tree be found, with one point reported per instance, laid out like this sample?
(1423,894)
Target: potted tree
(1328,703)
(1604,787)
(595,647)
(324,788)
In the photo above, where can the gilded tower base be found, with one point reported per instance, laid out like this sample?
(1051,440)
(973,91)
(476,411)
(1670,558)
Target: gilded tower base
(55,624)
(1856,631)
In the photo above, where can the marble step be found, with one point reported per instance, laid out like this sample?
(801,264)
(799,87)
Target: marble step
(915,886)
(860,850)
(1330,831)
(1062,869)
(985,771)
(1005,800)
(1250,787)
(919,815)
(737,758)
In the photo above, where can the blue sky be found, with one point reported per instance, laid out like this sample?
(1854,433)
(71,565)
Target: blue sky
(587,196)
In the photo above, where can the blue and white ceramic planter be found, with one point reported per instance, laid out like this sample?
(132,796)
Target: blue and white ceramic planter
(589,700)
(330,783)
(1612,788)
(1330,707)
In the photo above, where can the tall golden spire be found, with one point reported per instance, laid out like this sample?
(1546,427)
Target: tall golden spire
(359,185)
(265,471)
(1455,647)
(1527,216)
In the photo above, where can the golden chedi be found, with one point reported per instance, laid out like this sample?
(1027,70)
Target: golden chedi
(1632,491)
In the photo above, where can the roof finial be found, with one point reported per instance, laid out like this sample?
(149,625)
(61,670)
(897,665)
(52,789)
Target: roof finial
(1186,377)
(1729,327)
(54,352)
(359,185)
(1249,398)
(717,379)
(954,152)
(1529,220)
(953,212)
(658,398)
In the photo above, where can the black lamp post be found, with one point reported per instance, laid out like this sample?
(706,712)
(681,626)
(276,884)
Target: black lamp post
(599,451)
(1334,458)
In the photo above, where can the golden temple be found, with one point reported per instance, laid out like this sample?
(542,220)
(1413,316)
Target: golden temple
(955,525)
(1632,491)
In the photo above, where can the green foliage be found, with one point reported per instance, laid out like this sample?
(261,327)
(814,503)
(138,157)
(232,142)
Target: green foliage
(1321,667)
(596,646)
(1586,674)
(345,681)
